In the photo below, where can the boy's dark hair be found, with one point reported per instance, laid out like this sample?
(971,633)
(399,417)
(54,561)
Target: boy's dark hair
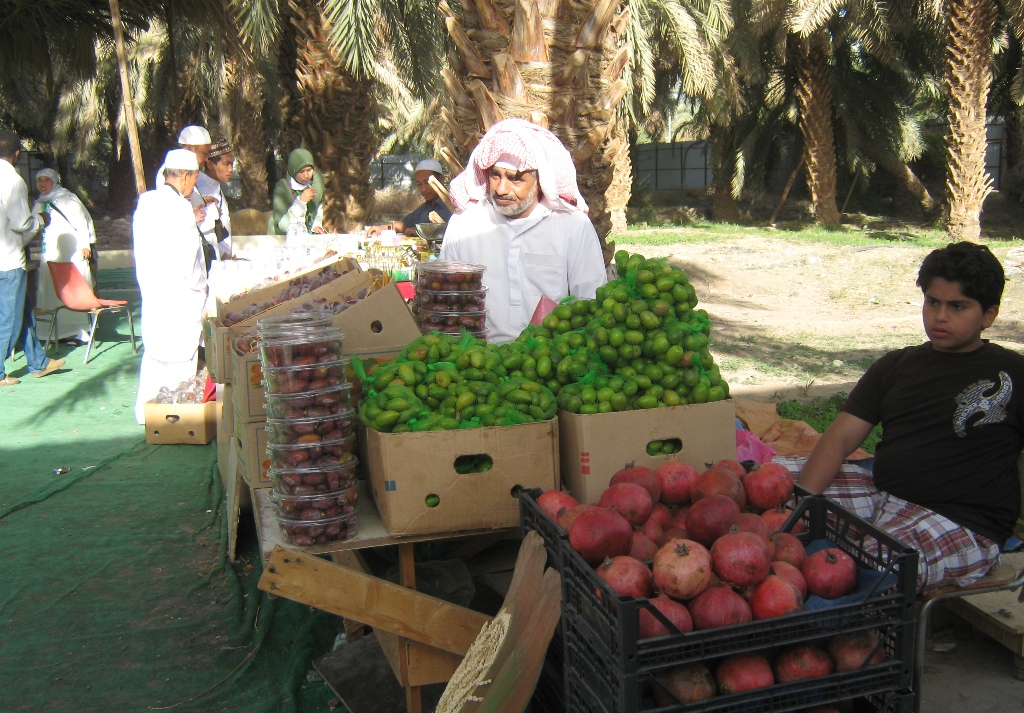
(971,265)
(10,144)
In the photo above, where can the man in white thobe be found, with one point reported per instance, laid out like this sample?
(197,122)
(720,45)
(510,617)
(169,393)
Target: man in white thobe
(521,215)
(218,169)
(171,273)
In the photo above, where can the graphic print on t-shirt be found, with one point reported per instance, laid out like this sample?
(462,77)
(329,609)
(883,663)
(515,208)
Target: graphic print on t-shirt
(973,400)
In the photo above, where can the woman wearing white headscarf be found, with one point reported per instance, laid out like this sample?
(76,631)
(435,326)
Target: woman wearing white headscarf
(68,237)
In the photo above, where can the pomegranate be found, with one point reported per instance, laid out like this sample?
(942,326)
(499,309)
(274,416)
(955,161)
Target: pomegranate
(830,573)
(743,672)
(627,576)
(776,518)
(732,466)
(789,548)
(800,662)
(775,596)
(651,529)
(677,479)
(718,482)
(749,522)
(851,651)
(641,476)
(709,518)
(643,548)
(567,517)
(678,520)
(793,574)
(673,533)
(741,558)
(553,501)
(630,500)
(768,486)
(599,533)
(675,612)
(682,568)
(661,515)
(720,606)
(689,683)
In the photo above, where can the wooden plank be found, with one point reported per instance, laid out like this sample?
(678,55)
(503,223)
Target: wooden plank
(352,560)
(424,664)
(983,612)
(380,604)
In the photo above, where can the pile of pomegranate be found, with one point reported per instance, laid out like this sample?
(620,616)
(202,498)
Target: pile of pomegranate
(707,551)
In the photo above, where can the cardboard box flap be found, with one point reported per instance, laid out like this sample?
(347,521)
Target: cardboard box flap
(379,324)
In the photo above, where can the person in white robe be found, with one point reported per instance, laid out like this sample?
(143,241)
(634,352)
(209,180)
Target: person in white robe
(521,215)
(68,237)
(171,273)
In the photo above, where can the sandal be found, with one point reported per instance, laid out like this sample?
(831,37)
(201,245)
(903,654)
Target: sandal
(9,381)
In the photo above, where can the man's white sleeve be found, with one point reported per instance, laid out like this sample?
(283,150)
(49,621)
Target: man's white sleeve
(586,263)
(20,219)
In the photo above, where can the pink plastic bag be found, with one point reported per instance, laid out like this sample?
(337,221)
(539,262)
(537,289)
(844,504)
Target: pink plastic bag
(750,447)
(544,308)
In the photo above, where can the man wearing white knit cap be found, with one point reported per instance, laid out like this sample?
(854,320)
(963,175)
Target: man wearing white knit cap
(520,214)
(432,203)
(171,274)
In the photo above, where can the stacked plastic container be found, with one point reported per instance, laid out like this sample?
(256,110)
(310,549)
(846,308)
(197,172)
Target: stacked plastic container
(311,441)
(450,296)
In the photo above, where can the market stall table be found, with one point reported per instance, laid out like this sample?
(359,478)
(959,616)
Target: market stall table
(414,663)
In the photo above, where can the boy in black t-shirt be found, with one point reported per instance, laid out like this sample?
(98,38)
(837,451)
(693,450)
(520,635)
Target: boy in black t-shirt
(945,472)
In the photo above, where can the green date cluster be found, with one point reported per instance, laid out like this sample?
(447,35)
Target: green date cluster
(640,344)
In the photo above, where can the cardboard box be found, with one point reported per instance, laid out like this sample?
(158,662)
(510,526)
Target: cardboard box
(253,461)
(217,346)
(406,469)
(194,424)
(273,292)
(594,447)
(249,394)
(225,438)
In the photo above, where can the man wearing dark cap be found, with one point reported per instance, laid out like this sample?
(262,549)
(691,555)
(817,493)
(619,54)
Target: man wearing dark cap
(216,224)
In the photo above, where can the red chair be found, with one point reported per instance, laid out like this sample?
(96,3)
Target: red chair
(77,296)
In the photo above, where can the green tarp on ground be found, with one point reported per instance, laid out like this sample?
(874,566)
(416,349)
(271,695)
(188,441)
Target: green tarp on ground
(115,594)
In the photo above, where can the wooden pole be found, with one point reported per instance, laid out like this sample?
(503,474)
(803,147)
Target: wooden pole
(849,193)
(785,191)
(129,103)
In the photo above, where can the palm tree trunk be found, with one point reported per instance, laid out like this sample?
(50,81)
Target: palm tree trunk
(723,162)
(967,78)
(901,172)
(814,92)
(557,64)
(333,114)
(245,92)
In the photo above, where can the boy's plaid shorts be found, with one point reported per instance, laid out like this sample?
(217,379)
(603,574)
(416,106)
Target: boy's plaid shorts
(950,554)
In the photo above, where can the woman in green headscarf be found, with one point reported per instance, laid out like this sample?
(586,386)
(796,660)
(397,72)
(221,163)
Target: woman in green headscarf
(299,199)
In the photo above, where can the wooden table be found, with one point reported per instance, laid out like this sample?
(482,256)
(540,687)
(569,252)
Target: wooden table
(414,663)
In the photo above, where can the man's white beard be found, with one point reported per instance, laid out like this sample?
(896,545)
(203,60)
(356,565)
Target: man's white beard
(516,209)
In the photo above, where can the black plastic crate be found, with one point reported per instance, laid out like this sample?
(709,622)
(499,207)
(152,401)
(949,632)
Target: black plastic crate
(609,623)
(592,688)
(549,695)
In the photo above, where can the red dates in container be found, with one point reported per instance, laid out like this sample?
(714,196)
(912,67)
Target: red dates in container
(319,506)
(311,404)
(306,374)
(311,481)
(284,431)
(450,322)
(312,451)
(305,533)
(301,351)
(448,276)
(468,300)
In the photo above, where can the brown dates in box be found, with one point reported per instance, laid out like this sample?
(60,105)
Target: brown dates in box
(465,301)
(306,374)
(291,430)
(319,506)
(310,481)
(448,276)
(302,351)
(450,322)
(331,401)
(305,533)
(312,451)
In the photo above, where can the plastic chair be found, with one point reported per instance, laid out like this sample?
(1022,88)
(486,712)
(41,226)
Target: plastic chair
(76,295)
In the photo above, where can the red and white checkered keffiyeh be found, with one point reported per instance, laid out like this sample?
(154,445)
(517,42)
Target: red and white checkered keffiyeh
(531,147)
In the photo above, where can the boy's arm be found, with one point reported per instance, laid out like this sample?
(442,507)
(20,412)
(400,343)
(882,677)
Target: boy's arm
(841,439)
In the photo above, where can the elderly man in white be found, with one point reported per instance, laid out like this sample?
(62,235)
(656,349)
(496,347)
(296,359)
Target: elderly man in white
(520,214)
(171,273)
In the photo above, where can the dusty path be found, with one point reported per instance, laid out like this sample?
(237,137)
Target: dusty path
(794,318)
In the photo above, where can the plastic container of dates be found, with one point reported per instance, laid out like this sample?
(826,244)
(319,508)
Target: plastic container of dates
(290,430)
(312,451)
(452,322)
(448,276)
(456,301)
(305,375)
(309,481)
(319,506)
(293,350)
(305,533)
(331,401)
(279,323)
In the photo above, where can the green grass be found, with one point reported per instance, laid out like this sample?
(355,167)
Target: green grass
(848,235)
(819,413)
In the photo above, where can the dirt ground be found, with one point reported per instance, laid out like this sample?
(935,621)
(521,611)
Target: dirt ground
(794,319)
